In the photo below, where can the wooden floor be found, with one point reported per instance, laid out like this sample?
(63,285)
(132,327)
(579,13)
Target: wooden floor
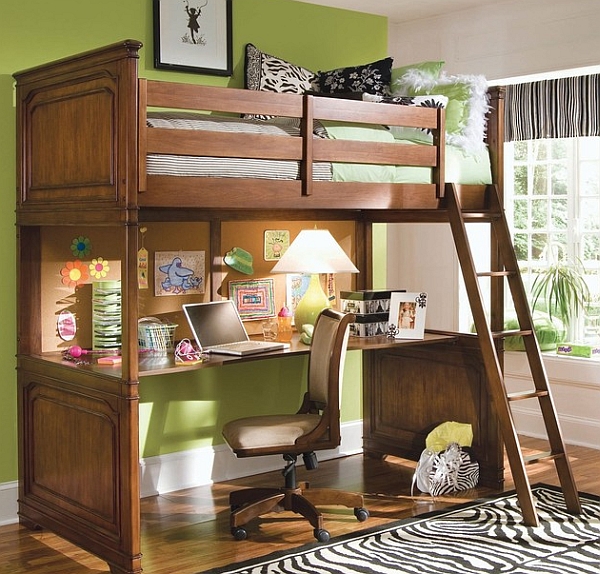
(187,532)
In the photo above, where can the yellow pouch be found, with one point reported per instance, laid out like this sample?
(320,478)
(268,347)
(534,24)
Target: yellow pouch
(446,433)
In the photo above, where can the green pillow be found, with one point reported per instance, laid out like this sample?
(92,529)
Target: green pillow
(432,69)
(549,332)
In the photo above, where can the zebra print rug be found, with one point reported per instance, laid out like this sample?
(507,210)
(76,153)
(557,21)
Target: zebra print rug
(484,536)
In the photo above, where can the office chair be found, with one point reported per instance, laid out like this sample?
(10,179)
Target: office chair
(316,426)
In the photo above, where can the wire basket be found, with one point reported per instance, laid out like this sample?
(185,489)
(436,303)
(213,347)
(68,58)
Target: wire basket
(155,336)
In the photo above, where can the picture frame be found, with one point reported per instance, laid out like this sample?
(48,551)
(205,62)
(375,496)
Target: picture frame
(407,315)
(254,299)
(276,243)
(193,36)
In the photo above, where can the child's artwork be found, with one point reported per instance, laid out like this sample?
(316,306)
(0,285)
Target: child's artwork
(254,299)
(296,286)
(179,272)
(276,243)
(407,315)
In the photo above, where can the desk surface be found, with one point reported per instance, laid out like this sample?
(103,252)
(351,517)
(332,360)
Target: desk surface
(153,365)
(161,365)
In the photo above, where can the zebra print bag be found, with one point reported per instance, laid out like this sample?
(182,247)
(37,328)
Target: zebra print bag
(450,470)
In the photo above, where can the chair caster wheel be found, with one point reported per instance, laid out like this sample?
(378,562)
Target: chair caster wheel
(322,535)
(239,533)
(361,514)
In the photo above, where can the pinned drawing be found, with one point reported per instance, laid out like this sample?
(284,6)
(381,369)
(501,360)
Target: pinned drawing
(179,272)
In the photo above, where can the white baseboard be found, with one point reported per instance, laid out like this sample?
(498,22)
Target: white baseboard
(179,470)
(576,393)
(9,492)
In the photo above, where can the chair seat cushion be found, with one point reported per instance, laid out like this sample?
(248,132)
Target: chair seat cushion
(268,431)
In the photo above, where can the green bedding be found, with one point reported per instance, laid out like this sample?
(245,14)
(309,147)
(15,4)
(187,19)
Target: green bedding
(461,167)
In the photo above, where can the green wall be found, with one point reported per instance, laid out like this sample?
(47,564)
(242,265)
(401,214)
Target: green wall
(185,411)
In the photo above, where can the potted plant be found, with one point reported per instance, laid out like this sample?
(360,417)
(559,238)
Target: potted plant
(561,290)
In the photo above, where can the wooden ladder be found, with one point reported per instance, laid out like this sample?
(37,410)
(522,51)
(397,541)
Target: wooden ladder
(507,267)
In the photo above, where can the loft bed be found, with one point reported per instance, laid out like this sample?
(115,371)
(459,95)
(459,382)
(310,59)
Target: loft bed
(87,136)
(87,156)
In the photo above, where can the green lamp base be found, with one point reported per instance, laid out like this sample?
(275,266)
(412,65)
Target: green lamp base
(311,304)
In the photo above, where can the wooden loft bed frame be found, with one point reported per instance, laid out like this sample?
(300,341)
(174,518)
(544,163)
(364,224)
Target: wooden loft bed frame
(82,148)
(89,113)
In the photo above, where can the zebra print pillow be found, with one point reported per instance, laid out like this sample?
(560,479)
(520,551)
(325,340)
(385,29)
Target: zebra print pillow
(269,73)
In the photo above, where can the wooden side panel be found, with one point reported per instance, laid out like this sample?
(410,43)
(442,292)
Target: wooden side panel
(76,473)
(409,391)
(72,143)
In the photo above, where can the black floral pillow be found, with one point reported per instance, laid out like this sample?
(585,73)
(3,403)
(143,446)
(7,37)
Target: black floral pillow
(373,78)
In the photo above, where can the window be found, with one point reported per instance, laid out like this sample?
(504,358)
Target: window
(552,201)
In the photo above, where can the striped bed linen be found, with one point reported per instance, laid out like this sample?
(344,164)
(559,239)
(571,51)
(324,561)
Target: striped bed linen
(202,166)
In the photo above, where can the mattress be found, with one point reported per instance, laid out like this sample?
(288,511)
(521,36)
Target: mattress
(461,167)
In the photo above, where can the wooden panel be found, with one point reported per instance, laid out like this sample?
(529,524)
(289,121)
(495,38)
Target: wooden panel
(409,391)
(72,454)
(72,142)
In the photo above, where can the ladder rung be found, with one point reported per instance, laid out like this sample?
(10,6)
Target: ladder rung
(512,333)
(496,274)
(522,395)
(479,215)
(540,456)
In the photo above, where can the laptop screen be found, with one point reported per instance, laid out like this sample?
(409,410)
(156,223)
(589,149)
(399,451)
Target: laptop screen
(215,323)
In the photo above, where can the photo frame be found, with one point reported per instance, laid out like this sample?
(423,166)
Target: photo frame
(276,243)
(193,36)
(407,315)
(254,299)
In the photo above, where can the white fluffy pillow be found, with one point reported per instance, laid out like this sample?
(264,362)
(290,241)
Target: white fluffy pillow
(466,111)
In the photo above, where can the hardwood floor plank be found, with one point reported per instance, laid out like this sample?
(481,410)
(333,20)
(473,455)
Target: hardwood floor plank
(188,531)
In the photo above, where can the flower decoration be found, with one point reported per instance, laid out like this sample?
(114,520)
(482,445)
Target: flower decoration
(81,246)
(74,273)
(99,268)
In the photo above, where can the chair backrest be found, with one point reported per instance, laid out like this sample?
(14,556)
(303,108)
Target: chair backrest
(325,368)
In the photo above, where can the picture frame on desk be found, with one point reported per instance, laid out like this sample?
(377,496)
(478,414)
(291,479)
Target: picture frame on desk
(407,315)
(193,36)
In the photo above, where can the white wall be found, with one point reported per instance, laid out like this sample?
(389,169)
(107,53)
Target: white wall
(505,40)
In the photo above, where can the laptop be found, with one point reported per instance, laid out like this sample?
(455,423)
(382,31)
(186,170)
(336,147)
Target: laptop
(218,328)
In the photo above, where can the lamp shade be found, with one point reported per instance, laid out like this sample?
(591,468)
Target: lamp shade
(314,251)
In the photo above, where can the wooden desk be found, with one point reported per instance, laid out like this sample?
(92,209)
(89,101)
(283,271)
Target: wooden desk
(409,387)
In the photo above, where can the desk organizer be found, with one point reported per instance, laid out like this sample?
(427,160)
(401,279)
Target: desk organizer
(372,310)
(106,315)
(156,336)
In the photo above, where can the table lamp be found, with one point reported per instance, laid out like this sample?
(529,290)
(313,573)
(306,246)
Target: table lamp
(313,251)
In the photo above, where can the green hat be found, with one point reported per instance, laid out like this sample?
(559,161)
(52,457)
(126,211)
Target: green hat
(240,260)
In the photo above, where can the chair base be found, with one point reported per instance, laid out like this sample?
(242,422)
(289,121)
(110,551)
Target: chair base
(249,503)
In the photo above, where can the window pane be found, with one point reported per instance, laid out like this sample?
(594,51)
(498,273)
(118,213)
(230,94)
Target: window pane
(559,179)
(521,148)
(520,214)
(521,180)
(559,215)
(560,148)
(520,241)
(538,246)
(590,214)
(588,178)
(540,180)
(539,213)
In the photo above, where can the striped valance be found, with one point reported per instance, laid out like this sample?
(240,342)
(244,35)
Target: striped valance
(556,108)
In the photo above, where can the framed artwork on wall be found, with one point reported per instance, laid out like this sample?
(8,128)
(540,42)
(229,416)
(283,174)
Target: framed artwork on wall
(254,299)
(407,315)
(193,36)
